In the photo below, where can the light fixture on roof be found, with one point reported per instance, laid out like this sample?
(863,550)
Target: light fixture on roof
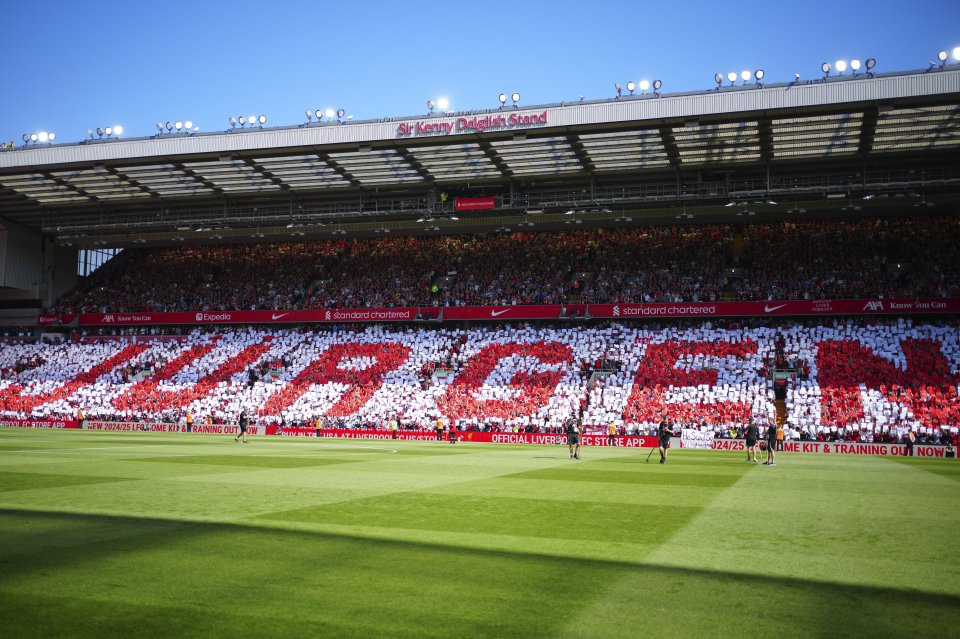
(631,86)
(855,65)
(825,67)
(233,122)
(177,125)
(251,120)
(618,88)
(443,104)
(718,78)
(644,85)
(242,120)
(431,106)
(99,132)
(840,66)
(745,75)
(309,115)
(503,99)
(656,87)
(329,113)
(515,97)
(732,77)
(869,64)
(90,133)
(956,54)
(758,77)
(262,119)
(340,113)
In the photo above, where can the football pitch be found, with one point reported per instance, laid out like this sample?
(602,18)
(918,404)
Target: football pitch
(160,535)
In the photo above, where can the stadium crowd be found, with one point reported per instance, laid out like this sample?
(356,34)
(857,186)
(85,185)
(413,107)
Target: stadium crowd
(890,257)
(862,380)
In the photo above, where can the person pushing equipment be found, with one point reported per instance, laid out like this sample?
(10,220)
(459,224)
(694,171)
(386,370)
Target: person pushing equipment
(664,432)
(573,437)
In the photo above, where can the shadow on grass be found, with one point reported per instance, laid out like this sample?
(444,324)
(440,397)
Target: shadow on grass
(115,576)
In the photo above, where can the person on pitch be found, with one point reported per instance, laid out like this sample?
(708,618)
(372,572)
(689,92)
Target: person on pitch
(753,435)
(771,444)
(664,432)
(244,424)
(612,434)
(573,437)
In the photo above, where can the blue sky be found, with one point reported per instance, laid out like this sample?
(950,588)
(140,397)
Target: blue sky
(70,66)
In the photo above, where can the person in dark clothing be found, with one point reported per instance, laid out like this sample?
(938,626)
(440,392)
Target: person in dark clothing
(244,424)
(664,432)
(771,444)
(753,435)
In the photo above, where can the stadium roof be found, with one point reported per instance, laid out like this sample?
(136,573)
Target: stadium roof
(807,144)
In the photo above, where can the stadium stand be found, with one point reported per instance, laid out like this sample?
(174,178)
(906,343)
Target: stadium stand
(891,257)
(853,380)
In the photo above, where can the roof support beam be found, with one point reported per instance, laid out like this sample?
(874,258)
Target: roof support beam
(491,153)
(670,146)
(339,169)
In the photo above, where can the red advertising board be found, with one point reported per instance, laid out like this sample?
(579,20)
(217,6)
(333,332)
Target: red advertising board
(39,423)
(529,312)
(476,203)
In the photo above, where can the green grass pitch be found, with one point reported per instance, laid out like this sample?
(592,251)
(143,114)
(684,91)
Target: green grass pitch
(158,535)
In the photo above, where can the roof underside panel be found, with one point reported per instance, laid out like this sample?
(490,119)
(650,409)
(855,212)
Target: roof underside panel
(818,136)
(718,143)
(935,127)
(303,172)
(538,156)
(233,176)
(458,162)
(623,151)
(166,180)
(375,167)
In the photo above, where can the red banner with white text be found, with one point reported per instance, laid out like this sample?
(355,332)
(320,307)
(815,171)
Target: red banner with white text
(570,312)
(39,423)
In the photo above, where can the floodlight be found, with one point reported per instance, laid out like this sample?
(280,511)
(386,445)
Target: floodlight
(431,106)
(117,130)
(618,88)
(160,127)
(309,115)
(26,138)
(233,121)
(187,125)
(745,75)
(242,120)
(855,65)
(178,125)
(841,66)
(261,119)
(758,74)
(99,132)
(631,86)
(329,113)
(503,98)
(644,85)
(442,104)
(170,125)
(340,113)
(90,133)
(53,136)
(251,120)
(956,53)
(732,77)
(515,97)
(42,136)
(319,114)
(871,62)
(33,137)
(825,67)
(657,84)
(942,56)
(108,131)
(718,79)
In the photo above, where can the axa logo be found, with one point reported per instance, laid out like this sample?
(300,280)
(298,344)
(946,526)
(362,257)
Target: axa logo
(875,305)
(616,311)
(327,315)
(109,319)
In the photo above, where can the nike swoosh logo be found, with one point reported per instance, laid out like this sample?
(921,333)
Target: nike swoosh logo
(770,309)
(276,317)
(498,313)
